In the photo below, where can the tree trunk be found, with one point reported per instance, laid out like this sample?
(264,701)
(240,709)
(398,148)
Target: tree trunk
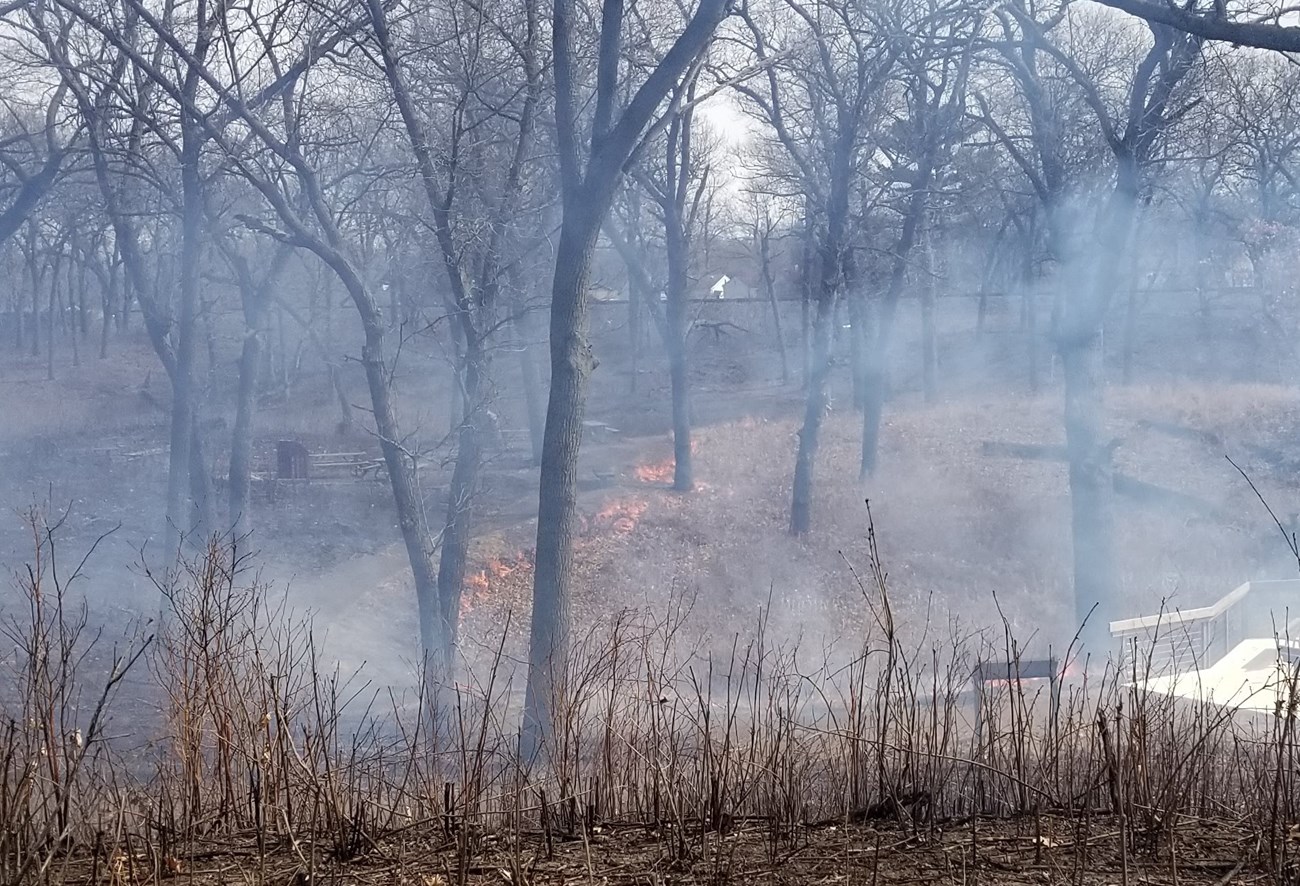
(51,305)
(401,476)
(1091,486)
(340,396)
(241,439)
(929,343)
(255,298)
(586,197)
(1130,335)
(109,282)
(200,485)
(1079,337)
(769,289)
(572,363)
(876,369)
(1031,337)
(876,384)
(634,332)
(37,276)
(676,310)
(18,318)
(532,386)
(77,310)
(858,345)
(459,525)
(830,267)
(456,405)
(83,315)
(814,411)
(179,527)
(1131,313)
(805,310)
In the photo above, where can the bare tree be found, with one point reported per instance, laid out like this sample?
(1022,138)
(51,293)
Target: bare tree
(766,233)
(592,153)
(171,324)
(1211,22)
(934,71)
(255,285)
(289,182)
(36,138)
(675,173)
(1132,125)
(474,255)
(818,103)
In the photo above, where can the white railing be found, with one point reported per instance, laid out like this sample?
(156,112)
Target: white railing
(1183,639)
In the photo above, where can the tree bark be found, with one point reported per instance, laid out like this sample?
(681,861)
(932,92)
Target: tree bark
(255,298)
(179,524)
(876,369)
(929,337)
(1079,343)
(858,345)
(1091,485)
(31,192)
(769,289)
(675,309)
(572,363)
(814,411)
(472,307)
(184,411)
(401,477)
(805,307)
(831,265)
(241,437)
(51,303)
(459,525)
(586,197)
(523,323)
(200,484)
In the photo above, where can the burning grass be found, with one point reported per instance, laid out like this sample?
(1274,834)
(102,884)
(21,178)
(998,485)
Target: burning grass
(619,516)
(658,472)
(503,583)
(661,472)
(496,573)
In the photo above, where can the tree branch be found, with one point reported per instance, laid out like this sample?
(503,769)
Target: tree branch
(1279,38)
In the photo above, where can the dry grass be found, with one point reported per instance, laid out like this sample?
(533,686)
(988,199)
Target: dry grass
(242,757)
(964,534)
(703,742)
(98,395)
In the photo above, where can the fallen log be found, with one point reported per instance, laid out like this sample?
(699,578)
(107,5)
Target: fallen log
(1150,493)
(1273,458)
(1034,451)
(1181,431)
(1129,487)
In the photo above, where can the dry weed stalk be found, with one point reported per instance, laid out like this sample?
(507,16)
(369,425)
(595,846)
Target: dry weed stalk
(261,740)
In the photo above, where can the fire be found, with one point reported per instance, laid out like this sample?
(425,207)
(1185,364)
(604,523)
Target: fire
(622,515)
(659,472)
(479,585)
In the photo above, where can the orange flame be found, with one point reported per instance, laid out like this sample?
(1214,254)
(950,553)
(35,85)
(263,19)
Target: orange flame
(622,515)
(479,585)
(659,472)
